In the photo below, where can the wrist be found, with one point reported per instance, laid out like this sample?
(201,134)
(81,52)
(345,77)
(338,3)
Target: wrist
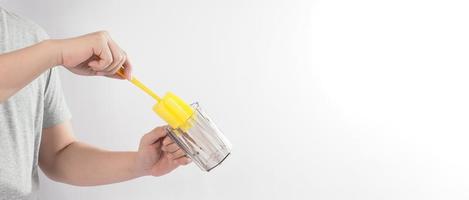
(54,50)
(137,169)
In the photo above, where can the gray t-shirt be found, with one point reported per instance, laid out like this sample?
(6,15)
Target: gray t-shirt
(38,105)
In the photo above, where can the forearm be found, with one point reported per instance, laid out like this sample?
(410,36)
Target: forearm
(20,67)
(84,165)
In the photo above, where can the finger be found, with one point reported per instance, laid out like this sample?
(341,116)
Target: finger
(177,154)
(171,147)
(117,56)
(183,160)
(104,59)
(153,136)
(113,74)
(167,141)
(119,65)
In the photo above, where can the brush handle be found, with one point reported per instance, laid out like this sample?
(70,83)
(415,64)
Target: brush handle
(140,85)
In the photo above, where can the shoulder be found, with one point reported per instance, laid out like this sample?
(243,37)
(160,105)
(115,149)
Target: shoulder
(22,26)
(17,32)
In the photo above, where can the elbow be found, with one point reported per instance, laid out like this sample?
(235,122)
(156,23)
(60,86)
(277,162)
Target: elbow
(53,176)
(74,183)
(51,172)
(51,167)
(3,99)
(4,96)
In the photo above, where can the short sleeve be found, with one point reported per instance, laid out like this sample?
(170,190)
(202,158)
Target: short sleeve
(55,107)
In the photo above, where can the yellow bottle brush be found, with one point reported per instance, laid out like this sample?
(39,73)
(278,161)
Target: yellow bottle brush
(170,108)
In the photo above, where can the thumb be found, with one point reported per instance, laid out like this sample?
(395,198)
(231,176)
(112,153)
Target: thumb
(153,136)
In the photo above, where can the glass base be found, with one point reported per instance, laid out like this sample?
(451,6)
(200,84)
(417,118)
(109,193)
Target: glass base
(219,162)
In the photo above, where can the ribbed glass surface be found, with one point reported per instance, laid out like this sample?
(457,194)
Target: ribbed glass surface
(203,142)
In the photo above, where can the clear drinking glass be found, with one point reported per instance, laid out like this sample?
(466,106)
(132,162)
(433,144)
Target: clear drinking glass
(203,142)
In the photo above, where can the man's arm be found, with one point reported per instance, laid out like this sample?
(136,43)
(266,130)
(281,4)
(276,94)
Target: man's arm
(64,159)
(18,68)
(91,54)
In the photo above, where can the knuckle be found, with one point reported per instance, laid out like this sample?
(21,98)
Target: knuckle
(147,135)
(159,129)
(103,33)
(100,35)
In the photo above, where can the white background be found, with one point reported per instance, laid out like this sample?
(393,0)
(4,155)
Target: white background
(326,99)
